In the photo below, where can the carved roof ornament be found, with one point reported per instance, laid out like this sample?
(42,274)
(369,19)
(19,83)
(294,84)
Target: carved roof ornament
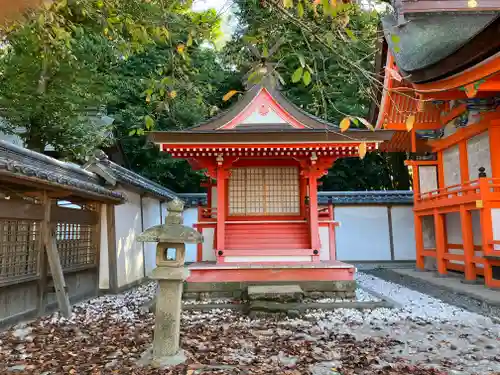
(262,69)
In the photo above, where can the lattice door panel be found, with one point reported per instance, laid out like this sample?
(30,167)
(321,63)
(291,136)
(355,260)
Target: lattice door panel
(20,242)
(264,191)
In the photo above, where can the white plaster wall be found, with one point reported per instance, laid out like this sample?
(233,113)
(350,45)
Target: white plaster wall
(190,217)
(103,257)
(478,155)
(164,212)
(495,218)
(129,255)
(151,217)
(324,237)
(428,178)
(454,234)
(449,129)
(208,253)
(429,232)
(476,227)
(451,166)
(269,118)
(403,232)
(363,234)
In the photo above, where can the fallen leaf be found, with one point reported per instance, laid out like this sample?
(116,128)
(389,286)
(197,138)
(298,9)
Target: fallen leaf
(229,95)
(345,124)
(410,121)
(362,150)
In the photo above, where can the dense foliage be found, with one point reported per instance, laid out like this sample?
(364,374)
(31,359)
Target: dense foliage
(69,66)
(330,85)
(60,66)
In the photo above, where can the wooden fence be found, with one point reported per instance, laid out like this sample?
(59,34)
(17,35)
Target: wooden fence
(27,227)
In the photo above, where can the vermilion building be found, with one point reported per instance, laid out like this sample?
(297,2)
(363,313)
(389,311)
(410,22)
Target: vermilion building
(263,158)
(442,84)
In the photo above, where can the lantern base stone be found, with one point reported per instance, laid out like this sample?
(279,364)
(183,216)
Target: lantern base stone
(162,362)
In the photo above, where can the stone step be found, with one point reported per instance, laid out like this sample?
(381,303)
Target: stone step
(276,293)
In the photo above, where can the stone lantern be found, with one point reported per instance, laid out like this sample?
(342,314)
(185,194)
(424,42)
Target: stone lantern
(170,273)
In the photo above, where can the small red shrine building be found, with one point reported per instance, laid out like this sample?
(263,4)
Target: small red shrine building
(263,158)
(442,93)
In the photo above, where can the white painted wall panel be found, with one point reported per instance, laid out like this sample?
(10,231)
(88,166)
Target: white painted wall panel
(129,257)
(190,217)
(324,237)
(256,117)
(363,234)
(476,227)
(208,253)
(403,229)
(103,257)
(453,228)
(451,166)
(429,233)
(495,218)
(478,155)
(428,178)
(151,212)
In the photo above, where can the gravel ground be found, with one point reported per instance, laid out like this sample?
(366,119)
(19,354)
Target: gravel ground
(463,301)
(108,334)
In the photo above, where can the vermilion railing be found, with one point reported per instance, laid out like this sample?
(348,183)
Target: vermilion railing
(482,188)
(207,214)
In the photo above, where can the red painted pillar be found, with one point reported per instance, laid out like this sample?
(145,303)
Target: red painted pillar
(331,230)
(221,212)
(468,242)
(440,230)
(313,212)
(419,242)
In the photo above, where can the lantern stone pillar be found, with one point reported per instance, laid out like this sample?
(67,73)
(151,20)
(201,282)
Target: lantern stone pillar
(170,274)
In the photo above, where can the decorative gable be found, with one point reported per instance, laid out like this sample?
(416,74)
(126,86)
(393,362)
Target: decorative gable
(263,111)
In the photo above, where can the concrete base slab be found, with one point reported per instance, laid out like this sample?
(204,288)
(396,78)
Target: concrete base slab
(161,363)
(278,293)
(455,284)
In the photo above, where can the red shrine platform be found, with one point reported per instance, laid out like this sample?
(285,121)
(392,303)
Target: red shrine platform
(263,158)
(270,272)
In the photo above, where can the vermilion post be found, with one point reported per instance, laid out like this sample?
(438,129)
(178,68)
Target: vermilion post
(419,242)
(331,230)
(439,224)
(313,211)
(468,242)
(221,209)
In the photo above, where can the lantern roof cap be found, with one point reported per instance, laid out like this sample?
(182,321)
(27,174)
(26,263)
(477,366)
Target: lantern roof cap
(173,231)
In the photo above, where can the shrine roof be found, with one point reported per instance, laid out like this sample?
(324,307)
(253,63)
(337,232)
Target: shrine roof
(264,115)
(431,46)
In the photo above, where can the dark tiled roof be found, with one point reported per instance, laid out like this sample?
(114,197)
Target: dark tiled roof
(193,199)
(126,176)
(429,46)
(336,197)
(25,164)
(366,197)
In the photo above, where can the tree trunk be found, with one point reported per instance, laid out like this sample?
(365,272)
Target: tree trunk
(33,138)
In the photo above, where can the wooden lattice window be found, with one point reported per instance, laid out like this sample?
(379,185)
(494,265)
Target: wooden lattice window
(20,242)
(264,191)
(76,245)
